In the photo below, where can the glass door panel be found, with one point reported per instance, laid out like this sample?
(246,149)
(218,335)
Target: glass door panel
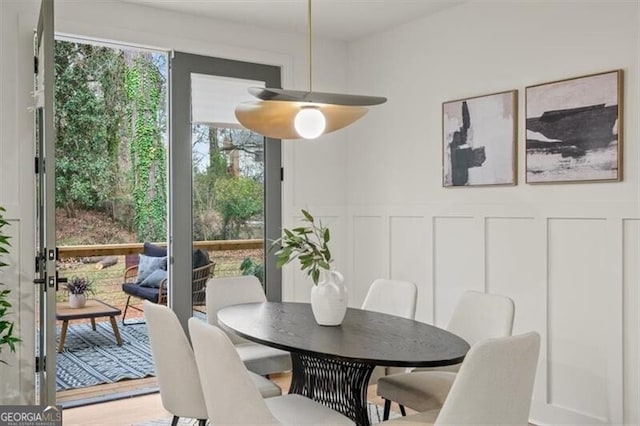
(228,180)
(229,176)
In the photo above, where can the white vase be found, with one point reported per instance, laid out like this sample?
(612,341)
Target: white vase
(329,299)
(77,300)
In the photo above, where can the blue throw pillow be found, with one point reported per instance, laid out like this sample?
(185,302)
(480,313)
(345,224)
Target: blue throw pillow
(154,250)
(200,258)
(154,279)
(148,264)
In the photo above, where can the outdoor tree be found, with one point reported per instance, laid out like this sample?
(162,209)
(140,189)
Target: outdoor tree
(88,112)
(143,85)
(238,199)
(219,156)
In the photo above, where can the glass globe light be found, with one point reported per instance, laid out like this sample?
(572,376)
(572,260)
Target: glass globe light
(310,122)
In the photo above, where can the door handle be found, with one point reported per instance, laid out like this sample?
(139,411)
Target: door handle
(60,280)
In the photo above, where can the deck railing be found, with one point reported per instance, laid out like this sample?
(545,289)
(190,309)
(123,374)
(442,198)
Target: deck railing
(80,260)
(66,252)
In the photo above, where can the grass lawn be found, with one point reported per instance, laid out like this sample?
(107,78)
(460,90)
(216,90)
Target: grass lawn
(107,282)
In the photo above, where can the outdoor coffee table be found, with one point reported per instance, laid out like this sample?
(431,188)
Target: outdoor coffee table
(93,309)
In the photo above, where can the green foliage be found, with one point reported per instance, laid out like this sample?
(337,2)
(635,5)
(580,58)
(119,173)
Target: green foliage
(309,244)
(206,219)
(147,151)
(79,285)
(220,154)
(88,113)
(110,119)
(250,267)
(6,327)
(237,200)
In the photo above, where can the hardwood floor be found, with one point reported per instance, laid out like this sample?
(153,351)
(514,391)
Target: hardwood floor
(105,391)
(139,409)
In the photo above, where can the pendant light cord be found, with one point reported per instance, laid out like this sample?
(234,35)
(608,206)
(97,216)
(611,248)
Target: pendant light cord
(309,43)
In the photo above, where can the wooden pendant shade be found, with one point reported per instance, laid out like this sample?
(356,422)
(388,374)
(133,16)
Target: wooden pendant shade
(274,119)
(275,114)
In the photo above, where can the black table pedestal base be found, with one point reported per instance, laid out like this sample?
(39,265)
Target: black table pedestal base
(338,384)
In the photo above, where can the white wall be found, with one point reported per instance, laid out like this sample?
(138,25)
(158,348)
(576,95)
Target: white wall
(567,254)
(127,23)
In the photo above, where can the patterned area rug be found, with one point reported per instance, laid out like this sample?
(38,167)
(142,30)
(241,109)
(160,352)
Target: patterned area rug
(92,357)
(375,415)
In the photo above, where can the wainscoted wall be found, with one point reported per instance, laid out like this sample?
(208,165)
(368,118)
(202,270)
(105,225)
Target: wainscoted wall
(21,363)
(566,253)
(573,279)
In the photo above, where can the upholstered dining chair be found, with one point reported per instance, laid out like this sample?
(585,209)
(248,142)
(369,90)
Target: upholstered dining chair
(493,387)
(176,370)
(238,402)
(393,297)
(477,316)
(227,291)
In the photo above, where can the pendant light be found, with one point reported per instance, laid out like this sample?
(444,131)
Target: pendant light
(294,114)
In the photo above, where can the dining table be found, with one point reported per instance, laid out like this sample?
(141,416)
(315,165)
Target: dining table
(332,364)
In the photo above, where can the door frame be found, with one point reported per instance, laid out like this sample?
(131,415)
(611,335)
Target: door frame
(182,65)
(46,255)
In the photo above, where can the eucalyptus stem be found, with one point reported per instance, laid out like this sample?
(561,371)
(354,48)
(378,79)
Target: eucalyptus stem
(308,244)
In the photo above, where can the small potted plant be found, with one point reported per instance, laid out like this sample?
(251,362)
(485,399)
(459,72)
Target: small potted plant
(310,245)
(78,288)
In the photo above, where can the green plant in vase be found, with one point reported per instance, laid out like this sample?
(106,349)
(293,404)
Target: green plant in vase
(78,288)
(310,245)
(7,338)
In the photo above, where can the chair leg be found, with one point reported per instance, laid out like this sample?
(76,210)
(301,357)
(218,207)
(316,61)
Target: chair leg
(387,408)
(404,413)
(202,422)
(124,314)
(174,421)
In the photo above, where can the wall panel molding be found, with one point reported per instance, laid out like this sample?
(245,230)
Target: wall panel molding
(583,348)
(580,264)
(409,237)
(631,309)
(458,262)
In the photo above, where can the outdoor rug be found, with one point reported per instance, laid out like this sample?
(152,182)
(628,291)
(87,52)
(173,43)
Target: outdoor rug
(375,415)
(92,357)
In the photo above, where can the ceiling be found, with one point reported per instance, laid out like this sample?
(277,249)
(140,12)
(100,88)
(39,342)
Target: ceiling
(346,20)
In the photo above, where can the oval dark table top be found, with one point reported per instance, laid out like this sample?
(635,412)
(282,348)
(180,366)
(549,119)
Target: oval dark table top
(364,336)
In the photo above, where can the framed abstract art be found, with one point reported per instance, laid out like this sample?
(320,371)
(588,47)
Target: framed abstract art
(574,129)
(479,140)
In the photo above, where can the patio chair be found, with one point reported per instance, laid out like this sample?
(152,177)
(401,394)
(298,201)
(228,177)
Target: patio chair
(135,288)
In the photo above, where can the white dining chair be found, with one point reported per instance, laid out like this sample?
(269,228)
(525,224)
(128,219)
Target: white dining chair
(477,316)
(392,297)
(227,291)
(493,387)
(232,399)
(176,369)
